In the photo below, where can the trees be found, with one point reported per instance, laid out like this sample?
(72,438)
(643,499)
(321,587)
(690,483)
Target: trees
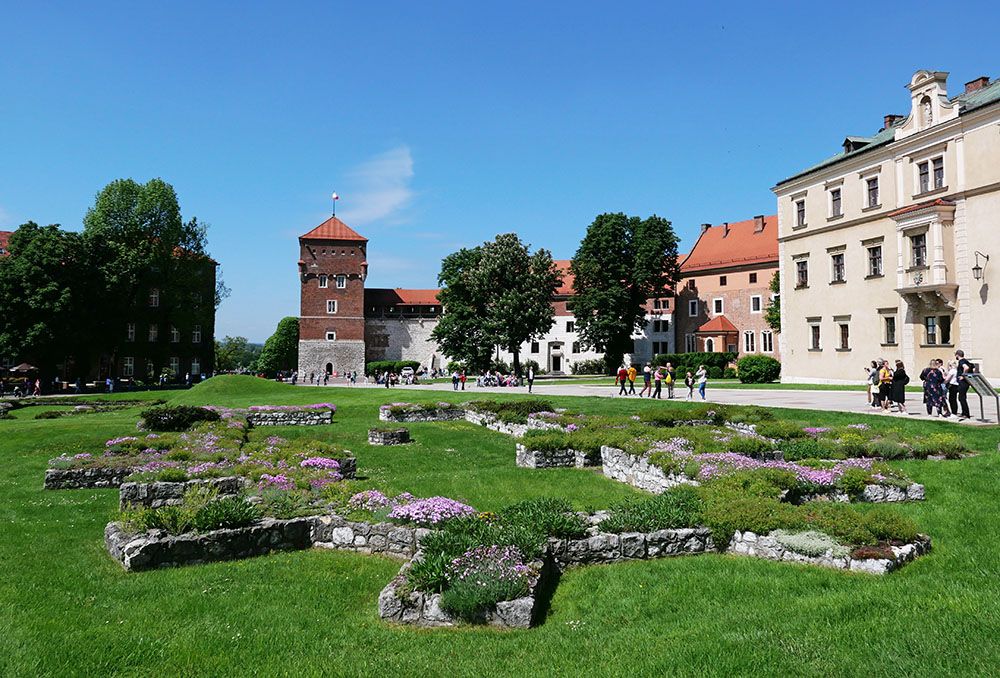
(281,350)
(772,314)
(622,262)
(236,353)
(496,294)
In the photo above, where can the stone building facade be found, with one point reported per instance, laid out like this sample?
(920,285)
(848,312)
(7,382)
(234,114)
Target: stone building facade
(884,247)
(725,289)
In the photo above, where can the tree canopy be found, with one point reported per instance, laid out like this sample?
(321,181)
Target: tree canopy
(622,262)
(281,350)
(772,314)
(236,353)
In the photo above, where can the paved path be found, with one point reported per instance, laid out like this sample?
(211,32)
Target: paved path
(839,401)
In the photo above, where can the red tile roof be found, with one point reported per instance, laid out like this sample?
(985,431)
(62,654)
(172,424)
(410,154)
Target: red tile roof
(719,325)
(5,243)
(742,246)
(565,288)
(333,229)
(400,297)
(919,206)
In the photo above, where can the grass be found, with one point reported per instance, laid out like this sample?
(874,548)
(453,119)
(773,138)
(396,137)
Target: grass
(68,608)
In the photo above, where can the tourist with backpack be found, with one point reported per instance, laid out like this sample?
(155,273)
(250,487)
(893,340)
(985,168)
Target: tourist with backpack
(689,382)
(631,379)
(670,378)
(658,383)
(885,385)
(647,377)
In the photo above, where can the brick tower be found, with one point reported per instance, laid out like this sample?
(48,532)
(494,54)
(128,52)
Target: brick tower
(332,270)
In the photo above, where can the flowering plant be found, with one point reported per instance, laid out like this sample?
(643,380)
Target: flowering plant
(279,481)
(483,576)
(430,511)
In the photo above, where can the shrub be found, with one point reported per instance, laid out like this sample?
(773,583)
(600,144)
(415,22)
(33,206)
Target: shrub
(853,444)
(758,369)
(225,513)
(511,411)
(381,366)
(750,446)
(750,414)
(714,372)
(780,430)
(947,444)
(679,506)
(886,524)
(51,414)
(430,573)
(810,543)
(804,448)
(284,505)
(595,366)
(887,449)
(726,513)
(176,417)
(684,362)
(853,480)
(729,373)
(483,576)
(553,517)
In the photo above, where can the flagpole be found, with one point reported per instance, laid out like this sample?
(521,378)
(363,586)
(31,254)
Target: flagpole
(335,197)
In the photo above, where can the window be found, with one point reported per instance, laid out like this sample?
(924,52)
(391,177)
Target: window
(918,246)
(534,347)
(175,366)
(175,335)
(196,334)
(130,332)
(331,305)
(576,347)
(944,328)
(871,186)
(845,337)
(800,213)
(154,298)
(128,367)
(937,168)
(767,341)
(154,332)
(755,304)
(814,337)
(753,278)
(691,285)
(331,336)
(710,346)
(570,326)
(722,281)
(195,366)
(661,326)
(323,281)
(923,177)
(717,306)
(690,343)
(749,342)
(693,308)
(875,261)
(837,261)
(802,273)
(656,304)
(930,324)
(341,282)
(835,206)
(890,329)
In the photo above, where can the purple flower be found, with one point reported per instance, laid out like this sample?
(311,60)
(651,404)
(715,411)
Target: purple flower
(815,431)
(320,462)
(430,511)
(119,441)
(278,482)
(571,427)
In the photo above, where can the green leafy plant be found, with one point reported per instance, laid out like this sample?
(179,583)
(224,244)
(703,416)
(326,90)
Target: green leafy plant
(680,506)
(225,513)
(948,445)
(758,369)
(176,417)
(810,543)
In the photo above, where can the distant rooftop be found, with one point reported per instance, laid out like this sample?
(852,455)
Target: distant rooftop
(333,229)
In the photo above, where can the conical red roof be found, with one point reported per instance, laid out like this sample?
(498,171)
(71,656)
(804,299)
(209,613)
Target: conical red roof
(719,325)
(333,229)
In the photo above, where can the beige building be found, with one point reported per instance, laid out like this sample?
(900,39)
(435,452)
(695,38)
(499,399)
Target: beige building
(884,247)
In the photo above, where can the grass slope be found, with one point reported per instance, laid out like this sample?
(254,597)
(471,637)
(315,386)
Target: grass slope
(67,608)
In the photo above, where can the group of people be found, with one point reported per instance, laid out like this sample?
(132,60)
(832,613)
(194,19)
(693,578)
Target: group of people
(21,388)
(498,379)
(653,380)
(945,387)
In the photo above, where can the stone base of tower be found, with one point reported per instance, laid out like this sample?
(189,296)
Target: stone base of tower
(318,356)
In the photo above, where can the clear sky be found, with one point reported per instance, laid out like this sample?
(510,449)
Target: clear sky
(443,124)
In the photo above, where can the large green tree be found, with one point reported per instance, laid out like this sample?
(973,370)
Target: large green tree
(496,294)
(622,262)
(772,314)
(42,295)
(236,353)
(281,350)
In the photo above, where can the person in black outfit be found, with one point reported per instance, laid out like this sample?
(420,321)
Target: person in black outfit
(964,366)
(899,381)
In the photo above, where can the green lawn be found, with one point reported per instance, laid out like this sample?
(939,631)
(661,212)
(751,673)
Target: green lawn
(68,608)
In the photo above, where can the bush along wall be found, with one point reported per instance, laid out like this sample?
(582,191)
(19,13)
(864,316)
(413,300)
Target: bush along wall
(396,366)
(715,363)
(758,369)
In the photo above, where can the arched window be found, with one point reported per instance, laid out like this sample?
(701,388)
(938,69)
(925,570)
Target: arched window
(710,346)
(329,368)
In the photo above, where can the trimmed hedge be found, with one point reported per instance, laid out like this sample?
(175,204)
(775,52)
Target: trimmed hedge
(596,366)
(715,363)
(176,417)
(758,369)
(396,366)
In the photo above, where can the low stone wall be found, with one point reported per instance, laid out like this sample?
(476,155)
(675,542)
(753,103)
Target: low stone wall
(605,547)
(399,436)
(636,471)
(877,494)
(553,458)
(767,547)
(491,422)
(290,418)
(334,532)
(156,549)
(84,478)
(421,416)
(157,494)
(424,609)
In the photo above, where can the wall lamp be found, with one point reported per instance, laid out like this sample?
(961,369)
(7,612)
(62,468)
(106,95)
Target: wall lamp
(977,270)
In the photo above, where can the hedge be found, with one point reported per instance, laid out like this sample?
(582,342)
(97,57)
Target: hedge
(758,369)
(175,417)
(715,363)
(396,366)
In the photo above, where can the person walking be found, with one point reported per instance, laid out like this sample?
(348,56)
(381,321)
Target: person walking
(951,385)
(933,380)
(647,377)
(689,382)
(658,383)
(670,378)
(702,376)
(454,380)
(631,379)
(531,377)
(899,381)
(885,385)
(872,382)
(622,380)
(963,367)
(461,379)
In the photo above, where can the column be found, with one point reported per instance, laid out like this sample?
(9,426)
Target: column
(939,270)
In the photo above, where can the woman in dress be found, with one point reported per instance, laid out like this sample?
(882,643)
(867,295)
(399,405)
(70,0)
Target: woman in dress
(899,381)
(934,387)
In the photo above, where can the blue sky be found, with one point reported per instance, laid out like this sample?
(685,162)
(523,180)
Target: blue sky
(442,124)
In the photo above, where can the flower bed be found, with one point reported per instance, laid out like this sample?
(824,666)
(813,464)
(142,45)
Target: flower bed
(776,546)
(411,412)
(388,436)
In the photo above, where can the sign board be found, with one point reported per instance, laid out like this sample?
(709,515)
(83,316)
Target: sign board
(981,386)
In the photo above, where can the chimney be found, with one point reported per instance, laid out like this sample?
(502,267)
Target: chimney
(977,84)
(890,120)
(705,227)
(758,223)
(725,229)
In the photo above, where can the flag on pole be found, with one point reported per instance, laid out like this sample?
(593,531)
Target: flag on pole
(335,196)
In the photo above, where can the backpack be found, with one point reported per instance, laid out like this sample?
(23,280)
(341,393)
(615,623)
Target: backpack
(669,378)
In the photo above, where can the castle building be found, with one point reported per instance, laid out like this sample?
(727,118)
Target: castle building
(885,247)
(725,289)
